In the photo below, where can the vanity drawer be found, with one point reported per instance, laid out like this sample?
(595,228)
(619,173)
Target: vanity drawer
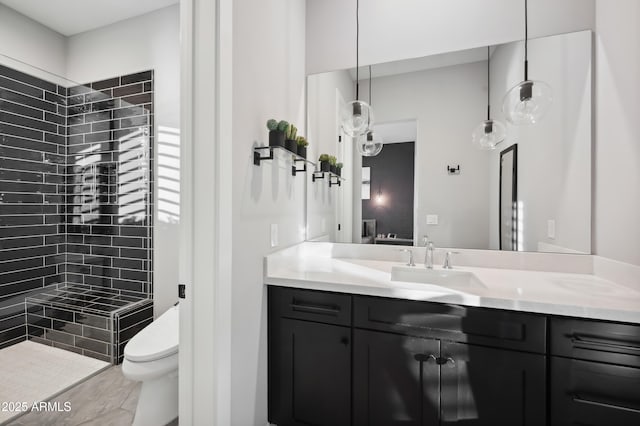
(489,327)
(613,343)
(310,305)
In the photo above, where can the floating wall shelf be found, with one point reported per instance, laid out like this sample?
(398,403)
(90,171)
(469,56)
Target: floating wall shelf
(258,158)
(333,178)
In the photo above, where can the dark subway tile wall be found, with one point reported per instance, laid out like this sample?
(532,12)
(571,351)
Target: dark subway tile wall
(108,183)
(32,174)
(76,178)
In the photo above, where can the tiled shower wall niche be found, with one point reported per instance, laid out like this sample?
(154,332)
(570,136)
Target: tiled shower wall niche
(32,193)
(76,178)
(108,183)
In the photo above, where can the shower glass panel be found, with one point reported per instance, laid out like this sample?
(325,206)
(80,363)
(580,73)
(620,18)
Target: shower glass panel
(76,209)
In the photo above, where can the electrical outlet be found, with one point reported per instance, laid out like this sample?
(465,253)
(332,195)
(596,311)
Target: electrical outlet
(274,235)
(432,219)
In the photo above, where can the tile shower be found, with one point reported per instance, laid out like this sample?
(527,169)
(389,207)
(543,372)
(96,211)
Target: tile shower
(76,179)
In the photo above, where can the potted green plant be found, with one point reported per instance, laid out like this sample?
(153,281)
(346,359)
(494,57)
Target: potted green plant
(324,163)
(332,164)
(276,132)
(339,169)
(290,138)
(302,146)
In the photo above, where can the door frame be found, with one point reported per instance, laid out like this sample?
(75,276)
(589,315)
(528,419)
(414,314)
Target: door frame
(205,225)
(514,196)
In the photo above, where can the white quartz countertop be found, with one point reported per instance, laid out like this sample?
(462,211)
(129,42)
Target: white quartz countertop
(574,294)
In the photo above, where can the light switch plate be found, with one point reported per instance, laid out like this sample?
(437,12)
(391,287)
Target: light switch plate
(432,219)
(551,228)
(274,235)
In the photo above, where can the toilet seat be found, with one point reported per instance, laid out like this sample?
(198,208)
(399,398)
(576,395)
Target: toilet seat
(156,341)
(141,371)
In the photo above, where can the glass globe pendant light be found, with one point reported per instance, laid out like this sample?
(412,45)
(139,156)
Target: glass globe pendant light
(528,101)
(356,116)
(489,133)
(370,144)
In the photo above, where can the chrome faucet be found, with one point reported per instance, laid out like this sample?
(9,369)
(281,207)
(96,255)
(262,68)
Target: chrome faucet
(428,257)
(411,262)
(447,260)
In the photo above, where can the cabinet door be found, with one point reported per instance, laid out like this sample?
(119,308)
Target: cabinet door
(594,393)
(396,380)
(309,374)
(485,386)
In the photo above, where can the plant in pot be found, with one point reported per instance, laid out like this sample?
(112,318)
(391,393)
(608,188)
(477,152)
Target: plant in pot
(276,132)
(339,169)
(290,139)
(302,146)
(332,164)
(324,163)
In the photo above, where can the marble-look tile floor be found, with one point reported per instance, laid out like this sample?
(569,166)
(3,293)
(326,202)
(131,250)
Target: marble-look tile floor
(107,399)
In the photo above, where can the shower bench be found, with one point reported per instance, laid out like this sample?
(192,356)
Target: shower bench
(89,320)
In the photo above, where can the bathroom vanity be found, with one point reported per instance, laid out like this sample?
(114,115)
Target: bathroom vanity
(349,344)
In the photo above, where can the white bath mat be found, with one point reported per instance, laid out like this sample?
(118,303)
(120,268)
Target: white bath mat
(32,372)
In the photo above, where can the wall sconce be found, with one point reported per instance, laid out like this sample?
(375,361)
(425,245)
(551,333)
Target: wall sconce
(380,198)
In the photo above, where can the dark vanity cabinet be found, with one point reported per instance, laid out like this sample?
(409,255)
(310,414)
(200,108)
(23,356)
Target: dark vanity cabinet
(340,359)
(337,359)
(420,363)
(396,379)
(309,358)
(595,373)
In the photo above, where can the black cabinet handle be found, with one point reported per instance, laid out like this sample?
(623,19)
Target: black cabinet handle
(579,399)
(442,361)
(425,357)
(580,340)
(314,309)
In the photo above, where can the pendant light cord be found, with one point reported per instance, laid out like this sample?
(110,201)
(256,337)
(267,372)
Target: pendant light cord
(526,41)
(357,49)
(488,83)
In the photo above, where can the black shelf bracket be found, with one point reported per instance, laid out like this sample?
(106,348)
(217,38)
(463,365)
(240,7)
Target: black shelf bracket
(336,182)
(257,158)
(317,175)
(295,169)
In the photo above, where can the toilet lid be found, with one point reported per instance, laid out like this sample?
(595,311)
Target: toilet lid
(157,340)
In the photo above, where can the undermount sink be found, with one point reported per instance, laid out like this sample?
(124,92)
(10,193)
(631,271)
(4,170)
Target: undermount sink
(440,277)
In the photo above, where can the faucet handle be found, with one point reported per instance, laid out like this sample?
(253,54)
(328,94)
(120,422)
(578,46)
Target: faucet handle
(447,259)
(411,262)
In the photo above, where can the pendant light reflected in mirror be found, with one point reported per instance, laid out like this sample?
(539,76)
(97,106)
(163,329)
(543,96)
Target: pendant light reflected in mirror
(356,116)
(528,101)
(489,133)
(371,143)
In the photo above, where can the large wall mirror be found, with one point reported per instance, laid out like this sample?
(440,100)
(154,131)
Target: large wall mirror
(532,193)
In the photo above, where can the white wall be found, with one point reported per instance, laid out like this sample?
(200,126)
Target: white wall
(268,82)
(617,130)
(27,41)
(325,92)
(392,30)
(150,41)
(554,155)
(447,103)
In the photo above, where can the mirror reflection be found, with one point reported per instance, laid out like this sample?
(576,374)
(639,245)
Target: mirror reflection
(430,182)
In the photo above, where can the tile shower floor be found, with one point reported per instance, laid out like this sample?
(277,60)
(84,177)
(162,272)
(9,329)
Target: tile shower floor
(31,372)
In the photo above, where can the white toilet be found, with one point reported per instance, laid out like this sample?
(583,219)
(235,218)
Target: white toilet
(151,357)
